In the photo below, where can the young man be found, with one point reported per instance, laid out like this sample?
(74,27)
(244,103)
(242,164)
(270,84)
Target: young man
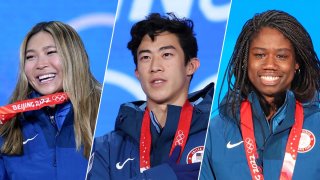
(164,136)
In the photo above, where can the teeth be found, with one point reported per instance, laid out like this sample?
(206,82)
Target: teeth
(270,78)
(46,76)
(158,81)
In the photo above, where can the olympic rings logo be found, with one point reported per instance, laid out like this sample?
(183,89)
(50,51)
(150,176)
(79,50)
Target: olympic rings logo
(249,145)
(59,98)
(180,138)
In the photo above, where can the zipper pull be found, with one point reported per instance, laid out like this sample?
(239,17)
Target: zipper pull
(51,116)
(52,119)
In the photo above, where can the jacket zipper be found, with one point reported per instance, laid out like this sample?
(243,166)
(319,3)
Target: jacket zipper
(53,122)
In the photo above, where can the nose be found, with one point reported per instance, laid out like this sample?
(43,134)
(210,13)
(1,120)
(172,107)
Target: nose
(156,65)
(270,63)
(42,62)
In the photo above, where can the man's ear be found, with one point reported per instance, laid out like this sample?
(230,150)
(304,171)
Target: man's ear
(136,73)
(192,66)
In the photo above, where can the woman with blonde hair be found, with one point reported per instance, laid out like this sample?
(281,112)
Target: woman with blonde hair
(47,129)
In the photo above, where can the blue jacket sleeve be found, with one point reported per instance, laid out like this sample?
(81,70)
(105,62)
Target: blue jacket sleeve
(206,171)
(3,173)
(99,167)
(160,172)
(99,161)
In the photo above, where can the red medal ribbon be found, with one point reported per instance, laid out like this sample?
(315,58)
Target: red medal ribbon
(9,111)
(180,138)
(247,131)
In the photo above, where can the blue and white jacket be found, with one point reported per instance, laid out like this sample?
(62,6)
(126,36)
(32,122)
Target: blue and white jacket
(49,149)
(116,154)
(225,153)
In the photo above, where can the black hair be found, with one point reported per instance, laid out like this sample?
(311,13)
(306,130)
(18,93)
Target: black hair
(154,24)
(306,81)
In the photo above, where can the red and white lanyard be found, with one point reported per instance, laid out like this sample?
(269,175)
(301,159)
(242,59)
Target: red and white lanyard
(9,111)
(247,131)
(180,138)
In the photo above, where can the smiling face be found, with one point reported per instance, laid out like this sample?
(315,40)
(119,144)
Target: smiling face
(43,66)
(272,63)
(161,69)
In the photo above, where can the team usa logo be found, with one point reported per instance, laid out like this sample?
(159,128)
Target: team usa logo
(307,141)
(195,155)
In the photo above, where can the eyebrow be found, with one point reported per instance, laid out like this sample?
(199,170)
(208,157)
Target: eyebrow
(144,51)
(44,48)
(280,49)
(167,47)
(160,49)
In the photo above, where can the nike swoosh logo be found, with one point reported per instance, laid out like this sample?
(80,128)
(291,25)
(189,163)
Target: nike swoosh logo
(229,145)
(30,139)
(118,166)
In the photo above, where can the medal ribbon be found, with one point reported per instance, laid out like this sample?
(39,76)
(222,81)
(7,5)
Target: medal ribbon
(247,131)
(9,111)
(181,135)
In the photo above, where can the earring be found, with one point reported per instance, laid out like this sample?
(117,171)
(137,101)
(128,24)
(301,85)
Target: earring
(298,71)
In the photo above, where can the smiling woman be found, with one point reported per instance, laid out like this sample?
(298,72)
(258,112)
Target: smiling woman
(271,66)
(52,136)
(268,121)
(43,66)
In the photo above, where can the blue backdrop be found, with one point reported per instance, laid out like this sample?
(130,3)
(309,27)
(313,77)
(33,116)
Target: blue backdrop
(241,10)
(121,86)
(93,20)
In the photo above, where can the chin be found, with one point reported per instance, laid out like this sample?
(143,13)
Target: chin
(272,93)
(47,91)
(158,100)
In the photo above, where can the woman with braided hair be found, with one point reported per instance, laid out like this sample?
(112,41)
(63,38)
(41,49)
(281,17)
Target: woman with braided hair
(46,132)
(268,122)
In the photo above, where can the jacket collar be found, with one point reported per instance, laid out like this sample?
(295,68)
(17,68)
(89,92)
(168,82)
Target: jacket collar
(62,110)
(282,119)
(129,119)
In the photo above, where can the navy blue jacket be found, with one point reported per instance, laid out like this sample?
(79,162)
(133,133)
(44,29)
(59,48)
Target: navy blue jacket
(49,149)
(222,161)
(116,154)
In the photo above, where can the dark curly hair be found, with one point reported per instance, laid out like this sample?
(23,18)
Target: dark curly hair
(154,24)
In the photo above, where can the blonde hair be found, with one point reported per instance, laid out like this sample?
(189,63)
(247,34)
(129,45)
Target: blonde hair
(83,89)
